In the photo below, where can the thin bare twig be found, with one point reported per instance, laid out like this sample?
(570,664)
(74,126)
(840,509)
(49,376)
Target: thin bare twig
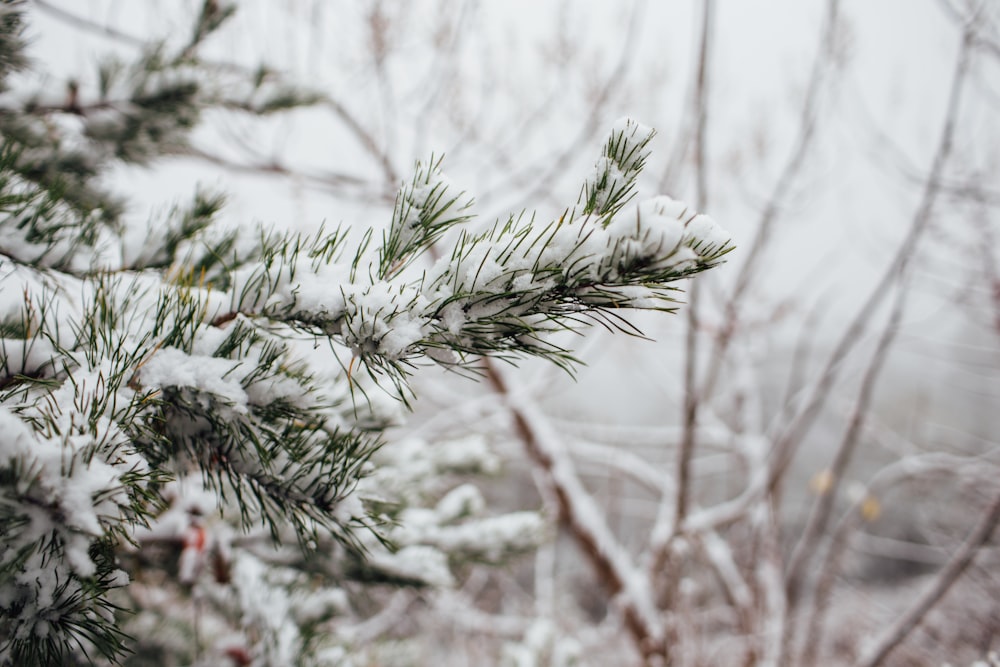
(556,165)
(674,507)
(366,140)
(816,526)
(682,491)
(974,469)
(691,402)
(801,423)
(990,269)
(90,26)
(785,443)
(327,180)
(381,45)
(825,502)
(802,351)
(942,584)
(454,24)
(812,639)
(807,129)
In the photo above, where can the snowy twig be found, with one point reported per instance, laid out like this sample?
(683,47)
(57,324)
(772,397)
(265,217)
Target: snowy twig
(584,520)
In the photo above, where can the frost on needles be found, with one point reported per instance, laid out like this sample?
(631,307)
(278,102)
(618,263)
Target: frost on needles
(152,381)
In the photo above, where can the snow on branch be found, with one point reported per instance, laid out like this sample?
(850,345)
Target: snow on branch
(184,361)
(499,292)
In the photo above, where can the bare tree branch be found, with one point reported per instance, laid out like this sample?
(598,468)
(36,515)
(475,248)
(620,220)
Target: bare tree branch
(809,409)
(807,128)
(584,521)
(961,560)
(681,498)
(90,26)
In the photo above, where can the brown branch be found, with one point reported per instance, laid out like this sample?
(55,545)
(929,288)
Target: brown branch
(608,572)
(812,536)
(820,516)
(942,584)
(691,405)
(784,447)
(225,318)
(807,129)
(691,402)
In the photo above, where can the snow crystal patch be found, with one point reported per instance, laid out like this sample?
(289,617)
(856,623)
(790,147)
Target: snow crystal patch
(266,610)
(464,500)
(648,232)
(629,137)
(28,357)
(385,319)
(405,332)
(118,579)
(605,180)
(705,236)
(171,367)
(312,607)
(415,201)
(416,562)
(665,207)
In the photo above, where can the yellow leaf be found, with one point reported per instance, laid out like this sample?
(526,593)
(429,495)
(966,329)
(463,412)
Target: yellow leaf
(871,508)
(821,482)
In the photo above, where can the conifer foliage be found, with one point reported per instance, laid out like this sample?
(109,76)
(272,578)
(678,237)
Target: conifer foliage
(165,431)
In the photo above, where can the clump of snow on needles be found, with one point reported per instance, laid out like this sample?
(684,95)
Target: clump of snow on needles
(173,368)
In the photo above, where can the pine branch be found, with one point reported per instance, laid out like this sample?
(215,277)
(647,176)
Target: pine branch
(143,359)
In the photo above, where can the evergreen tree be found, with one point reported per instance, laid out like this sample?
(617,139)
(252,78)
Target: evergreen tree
(175,455)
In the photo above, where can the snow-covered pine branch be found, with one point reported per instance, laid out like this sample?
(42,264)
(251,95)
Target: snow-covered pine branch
(138,359)
(498,292)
